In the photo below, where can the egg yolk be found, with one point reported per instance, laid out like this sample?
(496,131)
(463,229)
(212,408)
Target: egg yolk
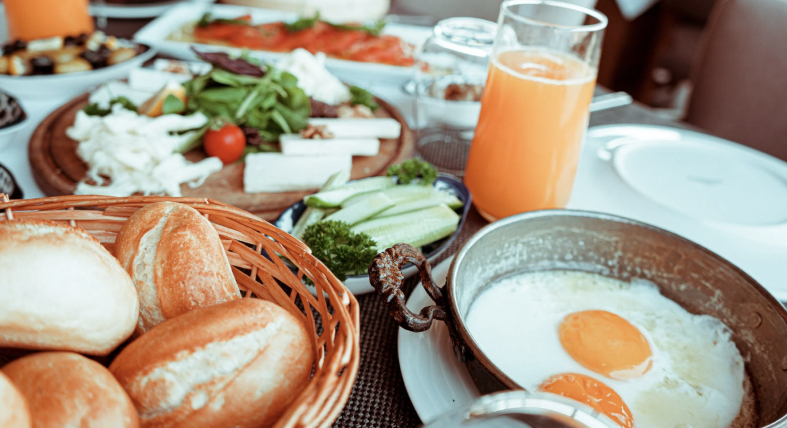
(606,344)
(592,392)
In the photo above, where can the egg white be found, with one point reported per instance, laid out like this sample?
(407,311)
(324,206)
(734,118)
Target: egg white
(697,375)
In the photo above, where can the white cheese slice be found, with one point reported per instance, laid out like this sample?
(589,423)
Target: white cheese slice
(276,172)
(295,145)
(360,128)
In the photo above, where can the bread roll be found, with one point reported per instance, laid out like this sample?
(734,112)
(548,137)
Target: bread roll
(177,262)
(64,389)
(238,364)
(61,290)
(14,412)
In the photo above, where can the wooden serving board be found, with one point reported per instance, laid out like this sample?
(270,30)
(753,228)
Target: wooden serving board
(57,168)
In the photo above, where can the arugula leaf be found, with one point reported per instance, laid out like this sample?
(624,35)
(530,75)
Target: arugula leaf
(362,96)
(172,105)
(93,109)
(197,84)
(303,23)
(374,29)
(232,79)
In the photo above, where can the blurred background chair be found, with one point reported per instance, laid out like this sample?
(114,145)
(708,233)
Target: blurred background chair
(740,77)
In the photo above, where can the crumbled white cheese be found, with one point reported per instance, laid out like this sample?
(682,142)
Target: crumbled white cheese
(138,153)
(115,88)
(313,77)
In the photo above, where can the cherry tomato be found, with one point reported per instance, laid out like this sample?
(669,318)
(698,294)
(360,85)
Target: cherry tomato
(226,143)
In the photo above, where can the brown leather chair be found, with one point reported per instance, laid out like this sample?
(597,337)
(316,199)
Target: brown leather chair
(740,78)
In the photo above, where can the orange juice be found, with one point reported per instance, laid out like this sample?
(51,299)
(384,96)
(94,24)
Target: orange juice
(39,19)
(534,112)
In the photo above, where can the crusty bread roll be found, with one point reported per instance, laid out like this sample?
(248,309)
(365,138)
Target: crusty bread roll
(61,290)
(237,364)
(64,389)
(14,412)
(176,260)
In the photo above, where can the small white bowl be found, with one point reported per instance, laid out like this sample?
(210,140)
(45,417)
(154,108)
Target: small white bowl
(69,85)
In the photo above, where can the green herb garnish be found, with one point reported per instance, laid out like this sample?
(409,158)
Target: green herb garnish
(342,251)
(374,29)
(303,23)
(94,109)
(207,19)
(409,170)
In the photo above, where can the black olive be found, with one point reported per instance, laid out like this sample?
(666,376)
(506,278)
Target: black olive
(94,58)
(82,39)
(16,45)
(42,65)
(70,41)
(104,51)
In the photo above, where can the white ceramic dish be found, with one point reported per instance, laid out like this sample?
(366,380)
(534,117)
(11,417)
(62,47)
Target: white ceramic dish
(67,86)
(138,11)
(726,197)
(359,284)
(158,31)
(435,380)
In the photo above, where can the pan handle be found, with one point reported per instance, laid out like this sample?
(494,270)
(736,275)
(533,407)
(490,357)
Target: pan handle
(385,275)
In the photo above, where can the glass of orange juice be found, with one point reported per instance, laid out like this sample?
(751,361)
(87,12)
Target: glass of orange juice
(40,19)
(535,107)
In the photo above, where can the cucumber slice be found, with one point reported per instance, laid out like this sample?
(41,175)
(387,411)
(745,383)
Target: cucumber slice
(335,197)
(408,206)
(370,206)
(357,198)
(409,192)
(416,228)
(311,215)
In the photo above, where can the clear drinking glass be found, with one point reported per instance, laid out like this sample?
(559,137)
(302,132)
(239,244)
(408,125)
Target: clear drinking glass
(534,110)
(449,74)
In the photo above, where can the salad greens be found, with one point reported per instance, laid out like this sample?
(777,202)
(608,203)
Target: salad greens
(273,104)
(411,169)
(362,96)
(172,105)
(93,109)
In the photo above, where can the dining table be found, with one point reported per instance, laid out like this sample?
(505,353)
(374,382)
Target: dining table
(379,397)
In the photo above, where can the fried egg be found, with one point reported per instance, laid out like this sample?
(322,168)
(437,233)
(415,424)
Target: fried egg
(622,348)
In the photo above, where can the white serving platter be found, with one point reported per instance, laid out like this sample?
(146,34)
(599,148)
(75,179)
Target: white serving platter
(157,33)
(724,196)
(138,11)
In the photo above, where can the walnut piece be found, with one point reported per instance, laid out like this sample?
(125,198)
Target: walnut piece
(316,132)
(358,111)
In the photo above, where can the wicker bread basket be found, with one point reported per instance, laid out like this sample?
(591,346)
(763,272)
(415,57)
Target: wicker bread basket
(331,313)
